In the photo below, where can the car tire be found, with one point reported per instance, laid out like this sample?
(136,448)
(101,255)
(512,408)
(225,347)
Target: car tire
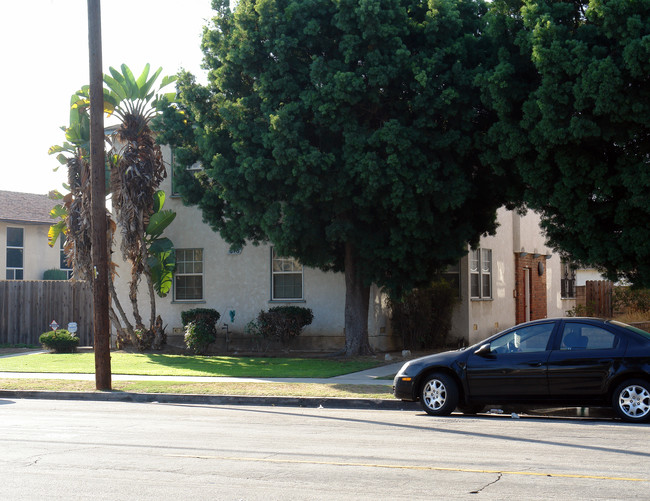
(470,409)
(631,401)
(439,395)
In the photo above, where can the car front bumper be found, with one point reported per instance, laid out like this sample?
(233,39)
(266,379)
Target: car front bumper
(403,387)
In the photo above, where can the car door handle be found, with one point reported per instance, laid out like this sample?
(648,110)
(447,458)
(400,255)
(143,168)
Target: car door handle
(535,364)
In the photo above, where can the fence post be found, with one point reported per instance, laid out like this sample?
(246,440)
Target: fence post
(599,295)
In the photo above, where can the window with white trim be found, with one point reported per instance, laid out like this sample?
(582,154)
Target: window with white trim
(188,277)
(15,252)
(286,278)
(480,269)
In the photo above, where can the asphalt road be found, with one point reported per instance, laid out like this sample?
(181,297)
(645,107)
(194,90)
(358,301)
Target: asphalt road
(116,450)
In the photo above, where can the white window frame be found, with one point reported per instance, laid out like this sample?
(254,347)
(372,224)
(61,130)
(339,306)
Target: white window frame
(13,269)
(480,271)
(283,266)
(191,273)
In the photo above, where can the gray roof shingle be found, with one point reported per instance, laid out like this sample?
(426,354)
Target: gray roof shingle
(25,208)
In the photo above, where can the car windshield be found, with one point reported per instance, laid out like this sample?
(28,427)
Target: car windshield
(632,328)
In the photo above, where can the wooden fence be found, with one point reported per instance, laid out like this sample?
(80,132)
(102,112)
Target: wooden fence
(599,296)
(28,307)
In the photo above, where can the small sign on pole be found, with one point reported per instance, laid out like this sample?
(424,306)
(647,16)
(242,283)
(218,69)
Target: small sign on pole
(72,327)
(54,325)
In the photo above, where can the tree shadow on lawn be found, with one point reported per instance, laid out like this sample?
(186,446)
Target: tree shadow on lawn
(255,366)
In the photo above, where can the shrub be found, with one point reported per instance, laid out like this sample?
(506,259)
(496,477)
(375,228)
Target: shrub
(55,274)
(207,315)
(582,310)
(199,335)
(61,341)
(423,317)
(631,300)
(200,328)
(283,323)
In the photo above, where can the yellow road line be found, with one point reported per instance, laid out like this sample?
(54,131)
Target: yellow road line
(407,467)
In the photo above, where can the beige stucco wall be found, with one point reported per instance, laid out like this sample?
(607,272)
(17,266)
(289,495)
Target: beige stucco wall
(38,256)
(557,307)
(488,316)
(242,282)
(585,274)
(477,319)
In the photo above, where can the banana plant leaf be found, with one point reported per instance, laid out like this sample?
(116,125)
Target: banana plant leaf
(162,266)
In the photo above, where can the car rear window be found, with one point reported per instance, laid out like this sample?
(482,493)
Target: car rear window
(632,328)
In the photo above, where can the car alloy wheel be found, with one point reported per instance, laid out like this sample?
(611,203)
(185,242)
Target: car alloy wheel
(632,401)
(439,395)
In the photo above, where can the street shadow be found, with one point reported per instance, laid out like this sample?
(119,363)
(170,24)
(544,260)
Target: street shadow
(6,402)
(463,433)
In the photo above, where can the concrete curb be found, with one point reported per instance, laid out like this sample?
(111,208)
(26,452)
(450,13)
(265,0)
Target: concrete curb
(580,413)
(172,398)
(300,402)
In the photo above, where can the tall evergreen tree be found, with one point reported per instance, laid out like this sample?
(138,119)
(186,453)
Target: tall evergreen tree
(577,123)
(347,133)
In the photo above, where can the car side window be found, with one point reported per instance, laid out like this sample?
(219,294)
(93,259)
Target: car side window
(577,336)
(525,340)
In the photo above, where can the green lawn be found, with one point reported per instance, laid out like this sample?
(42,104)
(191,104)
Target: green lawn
(181,365)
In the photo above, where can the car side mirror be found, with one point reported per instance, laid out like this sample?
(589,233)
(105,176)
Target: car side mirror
(483,350)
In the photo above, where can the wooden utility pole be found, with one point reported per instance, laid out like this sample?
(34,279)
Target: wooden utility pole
(98,201)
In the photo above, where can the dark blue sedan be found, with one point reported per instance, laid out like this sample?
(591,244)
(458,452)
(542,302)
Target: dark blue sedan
(562,361)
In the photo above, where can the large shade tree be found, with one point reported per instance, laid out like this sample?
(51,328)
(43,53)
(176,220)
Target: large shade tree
(349,134)
(574,106)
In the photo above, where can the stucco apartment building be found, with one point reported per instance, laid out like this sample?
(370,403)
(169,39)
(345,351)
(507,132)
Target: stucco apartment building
(24,223)
(511,278)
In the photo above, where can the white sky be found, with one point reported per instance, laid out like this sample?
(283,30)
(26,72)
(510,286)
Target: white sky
(44,59)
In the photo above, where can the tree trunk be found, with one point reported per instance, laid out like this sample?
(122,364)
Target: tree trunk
(133,297)
(152,292)
(357,297)
(128,328)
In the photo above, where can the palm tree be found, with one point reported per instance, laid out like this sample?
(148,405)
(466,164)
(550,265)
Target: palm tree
(136,176)
(75,208)
(135,170)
